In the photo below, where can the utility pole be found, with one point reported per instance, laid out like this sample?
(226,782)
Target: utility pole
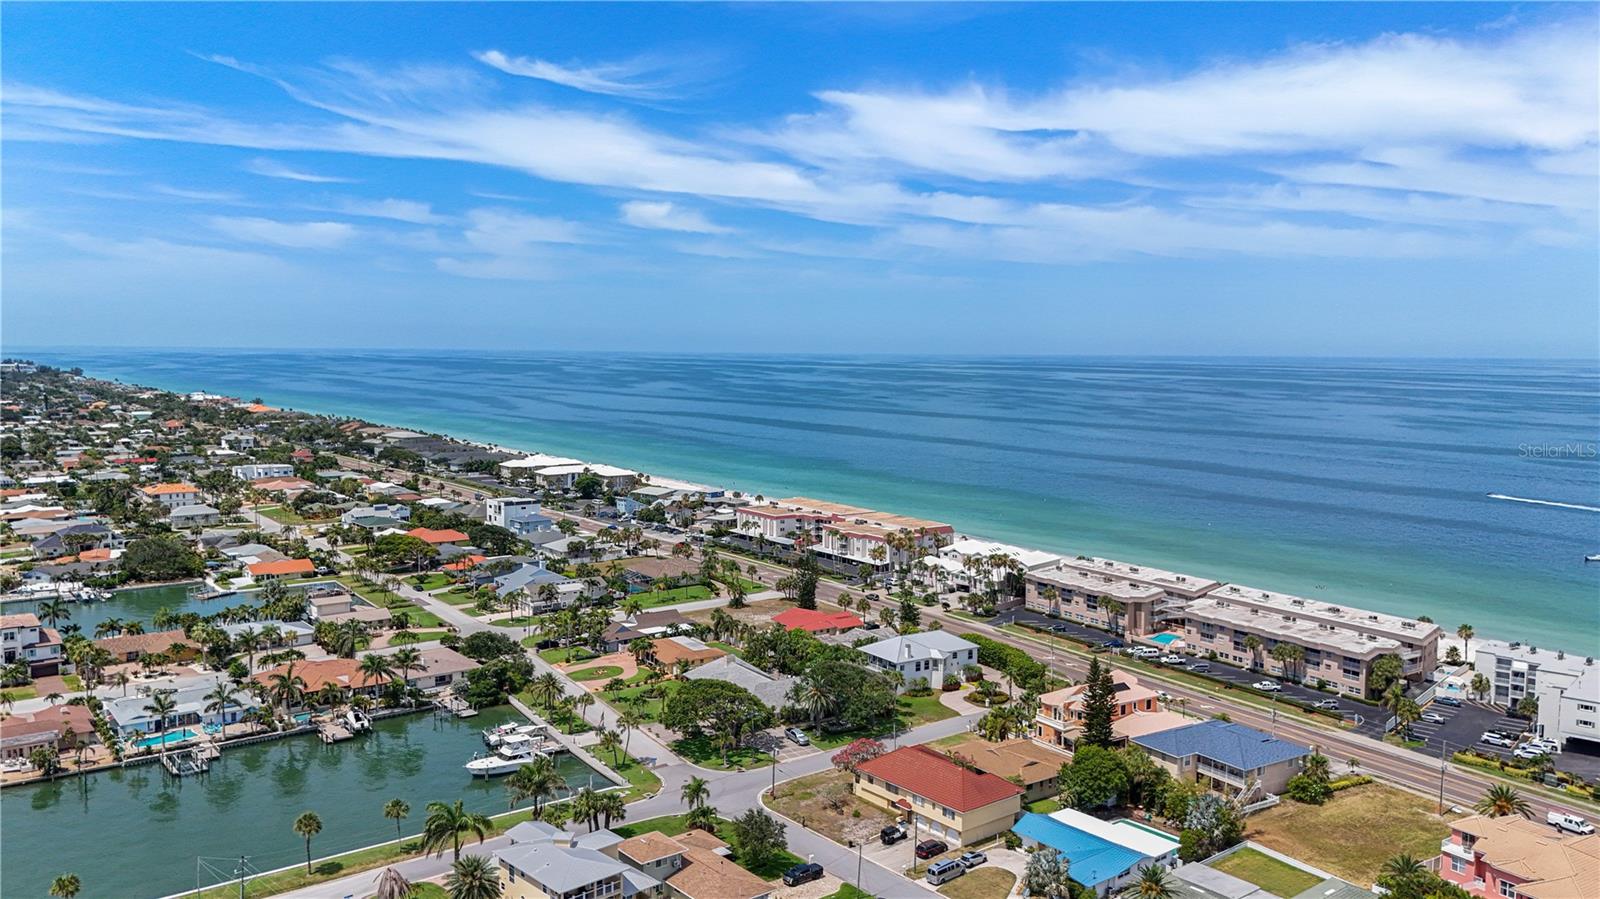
(1442,770)
(860,845)
(773,793)
(239,871)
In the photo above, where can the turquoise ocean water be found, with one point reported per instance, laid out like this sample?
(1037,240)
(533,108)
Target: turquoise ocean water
(1362,481)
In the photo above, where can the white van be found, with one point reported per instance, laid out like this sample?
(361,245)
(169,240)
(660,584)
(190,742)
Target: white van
(945,871)
(1144,652)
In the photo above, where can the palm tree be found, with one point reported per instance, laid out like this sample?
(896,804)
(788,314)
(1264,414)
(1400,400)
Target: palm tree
(1500,800)
(1113,609)
(287,688)
(610,807)
(308,825)
(1481,686)
(446,824)
(396,810)
(1465,633)
(376,668)
(1254,644)
(540,780)
(1406,714)
(406,660)
(546,690)
(161,706)
(54,610)
(585,807)
(814,698)
(610,742)
(1403,865)
(696,792)
(1153,883)
(473,877)
(218,702)
(701,817)
(249,640)
(66,886)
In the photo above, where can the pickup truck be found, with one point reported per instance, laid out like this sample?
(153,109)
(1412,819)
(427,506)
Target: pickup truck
(1569,822)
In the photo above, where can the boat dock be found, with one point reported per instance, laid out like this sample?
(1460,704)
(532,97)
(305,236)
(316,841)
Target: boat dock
(334,732)
(455,705)
(194,760)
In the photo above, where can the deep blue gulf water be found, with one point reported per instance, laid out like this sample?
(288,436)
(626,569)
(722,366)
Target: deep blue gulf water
(1363,481)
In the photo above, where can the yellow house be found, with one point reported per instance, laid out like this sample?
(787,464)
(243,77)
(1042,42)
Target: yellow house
(941,799)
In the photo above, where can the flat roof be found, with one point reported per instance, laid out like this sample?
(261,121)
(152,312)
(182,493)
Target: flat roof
(1242,616)
(1396,626)
(1144,574)
(1062,574)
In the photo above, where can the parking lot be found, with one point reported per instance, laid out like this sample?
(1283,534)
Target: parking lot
(1367,718)
(1464,727)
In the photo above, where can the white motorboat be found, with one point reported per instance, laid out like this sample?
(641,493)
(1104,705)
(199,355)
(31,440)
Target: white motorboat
(493,736)
(514,751)
(357,720)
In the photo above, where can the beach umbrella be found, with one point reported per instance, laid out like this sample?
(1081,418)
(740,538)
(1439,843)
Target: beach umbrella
(391,885)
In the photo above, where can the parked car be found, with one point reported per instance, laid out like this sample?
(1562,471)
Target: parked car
(1527,751)
(1495,739)
(1432,718)
(970,860)
(1113,644)
(1200,666)
(797,736)
(892,834)
(945,871)
(1267,686)
(930,848)
(1545,743)
(1171,658)
(1450,701)
(1569,822)
(1330,704)
(1144,652)
(805,872)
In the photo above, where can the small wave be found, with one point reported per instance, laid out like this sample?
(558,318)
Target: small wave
(1543,502)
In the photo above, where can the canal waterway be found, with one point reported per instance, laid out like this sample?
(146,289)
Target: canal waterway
(139,832)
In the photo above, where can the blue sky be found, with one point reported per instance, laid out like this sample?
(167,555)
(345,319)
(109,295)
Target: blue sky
(1276,179)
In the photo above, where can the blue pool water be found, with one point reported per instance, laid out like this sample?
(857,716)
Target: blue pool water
(1166,639)
(177,736)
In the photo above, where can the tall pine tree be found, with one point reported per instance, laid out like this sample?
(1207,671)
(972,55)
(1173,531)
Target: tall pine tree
(1099,701)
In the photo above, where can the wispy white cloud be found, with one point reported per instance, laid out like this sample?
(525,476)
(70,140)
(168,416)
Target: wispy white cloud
(272,168)
(294,235)
(668,216)
(501,244)
(413,211)
(642,78)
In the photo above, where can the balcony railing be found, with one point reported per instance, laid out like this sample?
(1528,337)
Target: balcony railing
(1450,847)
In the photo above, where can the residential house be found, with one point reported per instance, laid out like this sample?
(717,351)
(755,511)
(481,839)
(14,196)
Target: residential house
(172,495)
(519,515)
(388,511)
(259,470)
(341,606)
(268,571)
(24,639)
(926,656)
(1513,858)
(673,653)
(1225,757)
(1025,763)
(130,717)
(1104,856)
(817,621)
(656,623)
(770,689)
(939,798)
(692,865)
(1135,711)
(198,515)
(543,863)
(438,536)
(442,667)
(133,647)
(319,674)
(58,726)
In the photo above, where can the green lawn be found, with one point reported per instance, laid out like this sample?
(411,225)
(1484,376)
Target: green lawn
(72,681)
(1374,823)
(1041,806)
(848,891)
(705,753)
(561,654)
(643,781)
(654,598)
(431,581)
(18,694)
(914,711)
(425,890)
(1266,872)
(987,882)
(598,672)
(649,709)
(409,637)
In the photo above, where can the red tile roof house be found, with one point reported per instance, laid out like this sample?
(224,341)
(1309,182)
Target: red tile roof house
(1513,857)
(817,621)
(436,537)
(20,735)
(944,800)
(266,571)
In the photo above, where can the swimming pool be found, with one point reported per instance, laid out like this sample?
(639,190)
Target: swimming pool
(177,736)
(1129,822)
(1166,639)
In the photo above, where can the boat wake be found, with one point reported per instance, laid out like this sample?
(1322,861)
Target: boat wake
(1543,502)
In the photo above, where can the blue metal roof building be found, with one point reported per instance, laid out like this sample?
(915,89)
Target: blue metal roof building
(1103,855)
(1223,742)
